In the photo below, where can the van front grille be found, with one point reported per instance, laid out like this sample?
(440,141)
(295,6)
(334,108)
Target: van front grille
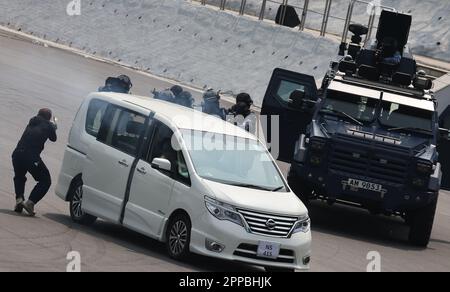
(267,224)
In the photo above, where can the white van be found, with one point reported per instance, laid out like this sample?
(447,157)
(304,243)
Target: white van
(190,180)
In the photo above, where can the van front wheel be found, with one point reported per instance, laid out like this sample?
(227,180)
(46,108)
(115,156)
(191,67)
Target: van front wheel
(179,237)
(76,212)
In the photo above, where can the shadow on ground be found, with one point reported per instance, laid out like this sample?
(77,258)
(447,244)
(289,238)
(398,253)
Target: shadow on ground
(147,246)
(359,224)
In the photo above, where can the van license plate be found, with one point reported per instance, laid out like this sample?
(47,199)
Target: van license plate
(360,184)
(269,250)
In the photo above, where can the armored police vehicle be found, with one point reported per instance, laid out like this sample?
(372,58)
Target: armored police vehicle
(370,137)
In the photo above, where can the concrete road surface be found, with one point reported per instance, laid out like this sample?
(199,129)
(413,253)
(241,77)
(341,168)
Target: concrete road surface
(33,76)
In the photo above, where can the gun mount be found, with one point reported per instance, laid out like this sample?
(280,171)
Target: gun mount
(388,58)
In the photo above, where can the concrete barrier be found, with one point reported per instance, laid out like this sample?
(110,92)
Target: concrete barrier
(430,33)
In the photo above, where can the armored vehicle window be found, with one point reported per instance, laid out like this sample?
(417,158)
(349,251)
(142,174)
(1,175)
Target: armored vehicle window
(395,115)
(359,107)
(287,87)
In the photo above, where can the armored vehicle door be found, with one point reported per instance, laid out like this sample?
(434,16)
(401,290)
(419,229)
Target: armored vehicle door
(443,97)
(291,96)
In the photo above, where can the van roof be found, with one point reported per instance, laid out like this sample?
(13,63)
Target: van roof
(181,117)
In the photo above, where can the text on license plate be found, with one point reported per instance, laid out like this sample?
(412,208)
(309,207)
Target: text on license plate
(269,250)
(360,184)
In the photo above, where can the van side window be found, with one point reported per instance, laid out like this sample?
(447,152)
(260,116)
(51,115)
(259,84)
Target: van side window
(95,113)
(122,129)
(162,148)
(182,170)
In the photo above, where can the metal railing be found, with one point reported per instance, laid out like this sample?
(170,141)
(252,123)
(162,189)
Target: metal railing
(306,11)
(326,16)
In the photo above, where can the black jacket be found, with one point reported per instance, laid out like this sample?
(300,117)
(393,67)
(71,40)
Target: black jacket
(34,138)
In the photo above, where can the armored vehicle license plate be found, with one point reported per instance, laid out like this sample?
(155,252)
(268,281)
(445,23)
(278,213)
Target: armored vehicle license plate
(360,184)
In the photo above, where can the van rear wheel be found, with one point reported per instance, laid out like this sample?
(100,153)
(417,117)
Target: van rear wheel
(76,212)
(421,223)
(178,237)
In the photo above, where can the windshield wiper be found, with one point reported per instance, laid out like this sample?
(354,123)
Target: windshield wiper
(251,186)
(278,189)
(245,185)
(343,114)
(410,129)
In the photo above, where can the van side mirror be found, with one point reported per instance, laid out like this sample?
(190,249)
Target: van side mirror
(162,164)
(444,134)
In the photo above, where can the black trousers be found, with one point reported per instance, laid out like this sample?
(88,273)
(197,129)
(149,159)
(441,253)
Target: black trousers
(24,164)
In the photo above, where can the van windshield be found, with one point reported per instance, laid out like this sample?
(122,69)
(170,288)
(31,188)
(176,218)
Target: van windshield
(233,161)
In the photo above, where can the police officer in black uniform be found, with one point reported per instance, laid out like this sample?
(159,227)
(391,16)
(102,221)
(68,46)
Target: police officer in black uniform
(241,114)
(185,99)
(120,84)
(211,104)
(26,159)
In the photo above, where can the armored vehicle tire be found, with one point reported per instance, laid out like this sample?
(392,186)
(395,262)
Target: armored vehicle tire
(76,199)
(301,189)
(421,223)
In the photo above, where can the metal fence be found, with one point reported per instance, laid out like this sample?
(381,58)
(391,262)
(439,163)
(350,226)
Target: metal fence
(371,7)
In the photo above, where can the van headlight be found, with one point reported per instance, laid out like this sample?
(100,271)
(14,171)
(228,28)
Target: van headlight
(223,211)
(303,225)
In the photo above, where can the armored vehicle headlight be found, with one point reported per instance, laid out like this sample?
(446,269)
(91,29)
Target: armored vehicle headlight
(315,160)
(418,182)
(317,145)
(424,167)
